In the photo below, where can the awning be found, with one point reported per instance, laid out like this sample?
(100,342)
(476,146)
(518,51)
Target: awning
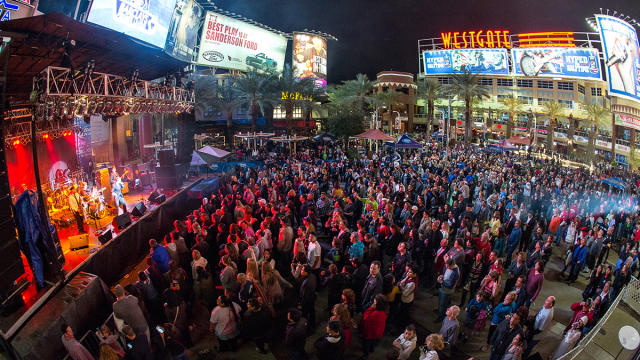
(405,142)
(519,140)
(375,134)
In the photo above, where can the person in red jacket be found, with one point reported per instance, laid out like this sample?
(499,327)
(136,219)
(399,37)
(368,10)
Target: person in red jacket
(372,325)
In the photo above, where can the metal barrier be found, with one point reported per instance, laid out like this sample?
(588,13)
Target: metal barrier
(630,294)
(91,341)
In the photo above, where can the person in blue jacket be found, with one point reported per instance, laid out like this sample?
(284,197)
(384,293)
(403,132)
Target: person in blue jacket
(513,241)
(577,261)
(160,255)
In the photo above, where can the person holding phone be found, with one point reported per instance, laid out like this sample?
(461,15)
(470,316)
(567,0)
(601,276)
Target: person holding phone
(138,347)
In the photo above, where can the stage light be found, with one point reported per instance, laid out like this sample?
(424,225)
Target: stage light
(45,136)
(16,142)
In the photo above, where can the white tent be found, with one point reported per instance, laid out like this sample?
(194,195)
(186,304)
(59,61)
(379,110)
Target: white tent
(196,159)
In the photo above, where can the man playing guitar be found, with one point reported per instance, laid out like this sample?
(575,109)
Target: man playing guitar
(77,207)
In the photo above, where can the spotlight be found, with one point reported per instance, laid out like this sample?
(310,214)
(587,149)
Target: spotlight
(45,136)
(16,142)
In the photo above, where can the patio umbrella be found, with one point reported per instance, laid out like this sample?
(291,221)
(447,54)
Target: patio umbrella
(324,137)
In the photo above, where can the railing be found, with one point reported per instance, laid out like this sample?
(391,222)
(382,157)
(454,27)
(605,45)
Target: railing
(630,294)
(90,340)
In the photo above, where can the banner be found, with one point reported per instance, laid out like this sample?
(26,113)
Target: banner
(310,57)
(553,61)
(232,44)
(183,30)
(478,61)
(147,20)
(621,56)
(627,121)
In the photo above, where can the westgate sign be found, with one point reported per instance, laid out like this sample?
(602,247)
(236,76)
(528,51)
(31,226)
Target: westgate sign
(476,39)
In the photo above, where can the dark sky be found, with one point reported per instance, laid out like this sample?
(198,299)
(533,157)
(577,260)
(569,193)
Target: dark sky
(377,35)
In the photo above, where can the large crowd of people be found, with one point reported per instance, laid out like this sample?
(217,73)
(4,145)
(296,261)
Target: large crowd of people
(473,226)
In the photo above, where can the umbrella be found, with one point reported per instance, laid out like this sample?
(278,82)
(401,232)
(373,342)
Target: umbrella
(375,134)
(324,137)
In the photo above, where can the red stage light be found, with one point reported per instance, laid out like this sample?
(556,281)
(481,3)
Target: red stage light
(16,142)
(45,136)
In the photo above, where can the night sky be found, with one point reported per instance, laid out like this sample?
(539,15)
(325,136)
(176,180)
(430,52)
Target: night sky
(377,35)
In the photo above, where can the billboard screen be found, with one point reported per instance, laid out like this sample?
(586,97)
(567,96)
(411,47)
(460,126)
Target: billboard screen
(183,30)
(621,56)
(553,61)
(310,57)
(147,20)
(479,61)
(232,44)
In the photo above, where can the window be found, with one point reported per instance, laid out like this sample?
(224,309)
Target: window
(403,90)
(596,92)
(525,83)
(502,97)
(526,99)
(566,103)
(545,84)
(581,89)
(563,85)
(444,80)
(541,101)
(505,82)
(485,82)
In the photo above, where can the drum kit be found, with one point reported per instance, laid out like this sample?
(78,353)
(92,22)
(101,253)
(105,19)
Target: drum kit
(94,205)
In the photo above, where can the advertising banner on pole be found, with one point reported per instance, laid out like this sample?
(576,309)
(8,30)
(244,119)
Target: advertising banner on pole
(147,20)
(554,61)
(183,30)
(310,57)
(478,61)
(233,44)
(621,56)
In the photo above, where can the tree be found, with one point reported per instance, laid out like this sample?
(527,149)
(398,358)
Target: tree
(293,90)
(429,90)
(388,98)
(552,109)
(358,92)
(465,86)
(222,95)
(344,121)
(256,91)
(514,107)
(596,112)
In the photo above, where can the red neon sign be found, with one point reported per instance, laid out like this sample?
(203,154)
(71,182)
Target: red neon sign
(476,39)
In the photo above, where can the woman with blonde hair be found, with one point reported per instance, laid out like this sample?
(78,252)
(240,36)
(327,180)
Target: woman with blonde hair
(340,313)
(272,282)
(432,344)
(252,270)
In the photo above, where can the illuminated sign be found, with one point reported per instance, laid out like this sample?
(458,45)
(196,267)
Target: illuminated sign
(547,39)
(478,61)
(627,121)
(7,9)
(294,96)
(553,61)
(183,30)
(310,57)
(621,56)
(476,39)
(147,20)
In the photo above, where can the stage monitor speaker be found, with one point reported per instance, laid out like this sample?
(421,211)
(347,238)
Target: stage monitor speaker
(139,209)
(78,242)
(121,221)
(153,195)
(105,236)
(166,157)
(160,199)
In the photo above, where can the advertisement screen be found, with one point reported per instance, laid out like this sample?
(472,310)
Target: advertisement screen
(147,20)
(310,57)
(621,56)
(479,61)
(183,30)
(232,44)
(553,61)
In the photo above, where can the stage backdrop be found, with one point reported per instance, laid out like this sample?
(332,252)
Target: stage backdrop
(55,156)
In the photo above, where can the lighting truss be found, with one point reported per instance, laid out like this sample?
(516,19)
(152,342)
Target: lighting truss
(55,127)
(62,92)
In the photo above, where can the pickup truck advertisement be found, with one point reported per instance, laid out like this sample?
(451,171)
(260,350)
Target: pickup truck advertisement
(232,44)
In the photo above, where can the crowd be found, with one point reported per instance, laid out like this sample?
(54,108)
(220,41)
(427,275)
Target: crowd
(474,225)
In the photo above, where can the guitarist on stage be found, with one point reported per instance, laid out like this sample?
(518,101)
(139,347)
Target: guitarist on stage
(116,191)
(77,207)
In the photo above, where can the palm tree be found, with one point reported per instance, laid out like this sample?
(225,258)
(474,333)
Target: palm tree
(222,95)
(514,106)
(293,91)
(552,109)
(429,89)
(358,91)
(388,98)
(256,91)
(596,113)
(465,86)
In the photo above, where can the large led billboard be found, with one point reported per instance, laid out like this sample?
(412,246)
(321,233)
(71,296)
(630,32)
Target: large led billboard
(553,61)
(183,30)
(621,56)
(232,44)
(310,57)
(147,20)
(478,61)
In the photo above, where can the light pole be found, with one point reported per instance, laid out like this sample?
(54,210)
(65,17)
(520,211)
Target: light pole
(535,126)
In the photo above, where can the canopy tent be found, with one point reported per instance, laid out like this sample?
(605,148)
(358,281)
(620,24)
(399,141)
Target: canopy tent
(197,160)
(519,140)
(254,136)
(375,134)
(405,142)
(211,154)
(615,182)
(290,139)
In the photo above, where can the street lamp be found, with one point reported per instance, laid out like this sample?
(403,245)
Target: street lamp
(535,126)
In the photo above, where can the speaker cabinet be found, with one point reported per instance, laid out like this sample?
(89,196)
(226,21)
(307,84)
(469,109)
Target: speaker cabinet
(139,209)
(120,222)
